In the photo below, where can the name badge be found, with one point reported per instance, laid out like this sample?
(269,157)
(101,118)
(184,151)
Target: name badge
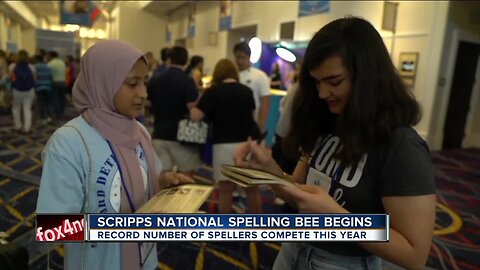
(316,177)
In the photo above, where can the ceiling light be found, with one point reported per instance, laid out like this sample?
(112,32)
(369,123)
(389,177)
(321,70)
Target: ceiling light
(55,28)
(91,33)
(101,34)
(286,55)
(83,32)
(255,45)
(72,27)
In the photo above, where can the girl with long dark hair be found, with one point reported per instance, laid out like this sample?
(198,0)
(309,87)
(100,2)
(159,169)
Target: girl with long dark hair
(352,122)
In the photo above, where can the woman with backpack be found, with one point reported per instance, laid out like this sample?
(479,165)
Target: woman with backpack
(22,75)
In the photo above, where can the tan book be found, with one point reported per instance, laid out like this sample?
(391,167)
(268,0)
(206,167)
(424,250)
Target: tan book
(179,199)
(247,176)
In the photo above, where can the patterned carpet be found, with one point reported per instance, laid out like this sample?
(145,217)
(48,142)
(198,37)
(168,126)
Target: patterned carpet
(456,243)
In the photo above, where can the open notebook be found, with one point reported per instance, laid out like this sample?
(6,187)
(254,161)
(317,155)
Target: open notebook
(247,176)
(179,199)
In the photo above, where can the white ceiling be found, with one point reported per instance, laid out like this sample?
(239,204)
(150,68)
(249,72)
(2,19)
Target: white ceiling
(160,8)
(45,9)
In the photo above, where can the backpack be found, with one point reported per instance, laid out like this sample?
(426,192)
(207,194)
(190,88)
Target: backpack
(24,80)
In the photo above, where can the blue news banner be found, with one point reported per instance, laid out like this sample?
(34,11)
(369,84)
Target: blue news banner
(237,227)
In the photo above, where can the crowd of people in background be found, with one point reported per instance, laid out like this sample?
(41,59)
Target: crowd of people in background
(41,82)
(235,104)
(176,90)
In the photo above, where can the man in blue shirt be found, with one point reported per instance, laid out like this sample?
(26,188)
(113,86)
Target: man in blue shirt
(171,95)
(43,88)
(164,55)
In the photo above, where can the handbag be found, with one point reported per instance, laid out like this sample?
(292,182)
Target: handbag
(194,132)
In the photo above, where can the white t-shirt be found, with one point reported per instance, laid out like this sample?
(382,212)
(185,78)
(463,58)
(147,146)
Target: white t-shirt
(258,81)
(283,125)
(58,69)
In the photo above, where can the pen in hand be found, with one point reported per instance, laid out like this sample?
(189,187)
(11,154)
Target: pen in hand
(258,141)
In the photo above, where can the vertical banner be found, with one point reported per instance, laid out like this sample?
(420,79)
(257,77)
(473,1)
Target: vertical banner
(225,15)
(308,8)
(12,47)
(191,20)
(168,28)
(82,12)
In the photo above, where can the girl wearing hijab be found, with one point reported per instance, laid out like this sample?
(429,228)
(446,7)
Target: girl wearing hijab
(103,161)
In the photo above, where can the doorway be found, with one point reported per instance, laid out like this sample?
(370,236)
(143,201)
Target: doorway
(460,94)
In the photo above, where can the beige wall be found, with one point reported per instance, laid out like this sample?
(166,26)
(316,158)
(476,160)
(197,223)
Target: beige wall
(114,24)
(16,34)
(207,23)
(142,29)
(3,32)
(28,40)
(23,22)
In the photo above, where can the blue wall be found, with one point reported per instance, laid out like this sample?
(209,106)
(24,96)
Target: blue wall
(265,63)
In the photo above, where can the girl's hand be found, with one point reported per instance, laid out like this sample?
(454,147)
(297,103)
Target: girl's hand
(253,155)
(169,179)
(308,199)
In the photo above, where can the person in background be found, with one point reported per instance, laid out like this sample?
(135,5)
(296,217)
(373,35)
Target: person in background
(103,161)
(59,86)
(71,76)
(229,107)
(283,126)
(165,57)
(4,82)
(43,89)
(161,68)
(171,95)
(256,80)
(22,75)
(276,77)
(352,121)
(40,52)
(195,70)
(259,83)
(152,66)
(12,58)
(292,75)
(152,62)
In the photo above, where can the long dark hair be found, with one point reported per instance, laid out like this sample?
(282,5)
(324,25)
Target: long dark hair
(194,61)
(379,103)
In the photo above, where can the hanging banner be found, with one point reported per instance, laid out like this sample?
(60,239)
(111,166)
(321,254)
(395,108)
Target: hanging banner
(78,12)
(308,8)
(168,28)
(225,15)
(191,20)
